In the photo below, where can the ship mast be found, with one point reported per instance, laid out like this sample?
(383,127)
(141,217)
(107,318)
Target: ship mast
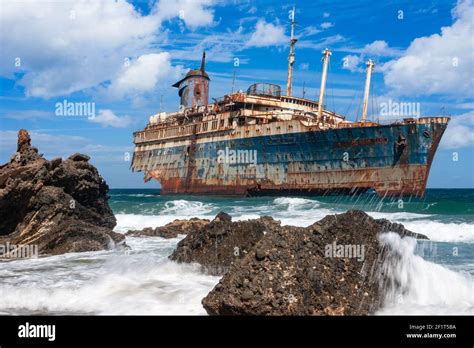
(326,54)
(370,68)
(291,56)
(203,61)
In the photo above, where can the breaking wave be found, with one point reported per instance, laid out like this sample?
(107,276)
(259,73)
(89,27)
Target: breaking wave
(143,282)
(423,287)
(183,207)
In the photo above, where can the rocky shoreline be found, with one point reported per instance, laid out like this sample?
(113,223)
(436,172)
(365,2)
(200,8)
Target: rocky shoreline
(59,205)
(170,230)
(333,267)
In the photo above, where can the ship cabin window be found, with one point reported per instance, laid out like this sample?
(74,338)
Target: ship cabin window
(222,123)
(241,121)
(198,128)
(204,126)
(214,125)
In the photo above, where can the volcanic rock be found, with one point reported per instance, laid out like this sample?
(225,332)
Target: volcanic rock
(333,267)
(221,242)
(170,230)
(58,206)
(78,157)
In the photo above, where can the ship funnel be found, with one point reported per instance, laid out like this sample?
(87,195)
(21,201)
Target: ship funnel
(193,89)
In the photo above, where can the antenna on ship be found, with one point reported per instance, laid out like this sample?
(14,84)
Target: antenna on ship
(326,54)
(233,81)
(304,91)
(291,56)
(370,67)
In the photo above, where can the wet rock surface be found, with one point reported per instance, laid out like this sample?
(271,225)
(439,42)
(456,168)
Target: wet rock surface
(59,205)
(170,230)
(333,267)
(221,242)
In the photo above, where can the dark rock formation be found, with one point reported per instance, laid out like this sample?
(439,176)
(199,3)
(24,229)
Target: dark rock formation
(171,230)
(59,206)
(221,242)
(332,267)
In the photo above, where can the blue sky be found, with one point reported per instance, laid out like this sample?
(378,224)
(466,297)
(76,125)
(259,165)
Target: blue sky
(124,56)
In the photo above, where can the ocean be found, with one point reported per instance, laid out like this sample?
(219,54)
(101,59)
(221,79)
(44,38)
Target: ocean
(436,276)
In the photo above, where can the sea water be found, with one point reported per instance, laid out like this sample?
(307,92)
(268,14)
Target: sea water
(436,276)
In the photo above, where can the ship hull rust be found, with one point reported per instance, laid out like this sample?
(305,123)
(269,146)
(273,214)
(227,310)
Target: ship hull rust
(393,160)
(386,183)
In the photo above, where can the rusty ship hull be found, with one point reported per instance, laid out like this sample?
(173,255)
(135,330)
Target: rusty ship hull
(294,158)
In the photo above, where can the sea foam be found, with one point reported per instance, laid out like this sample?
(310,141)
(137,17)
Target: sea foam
(423,287)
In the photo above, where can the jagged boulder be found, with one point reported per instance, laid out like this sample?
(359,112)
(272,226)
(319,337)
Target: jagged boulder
(219,243)
(332,267)
(58,206)
(170,230)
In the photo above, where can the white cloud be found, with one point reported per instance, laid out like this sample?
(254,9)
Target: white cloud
(195,13)
(64,47)
(143,74)
(379,48)
(309,31)
(351,62)
(326,25)
(465,106)
(267,34)
(460,132)
(323,43)
(224,46)
(304,66)
(440,63)
(252,10)
(107,118)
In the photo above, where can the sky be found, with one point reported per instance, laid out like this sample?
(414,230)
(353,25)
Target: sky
(120,59)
